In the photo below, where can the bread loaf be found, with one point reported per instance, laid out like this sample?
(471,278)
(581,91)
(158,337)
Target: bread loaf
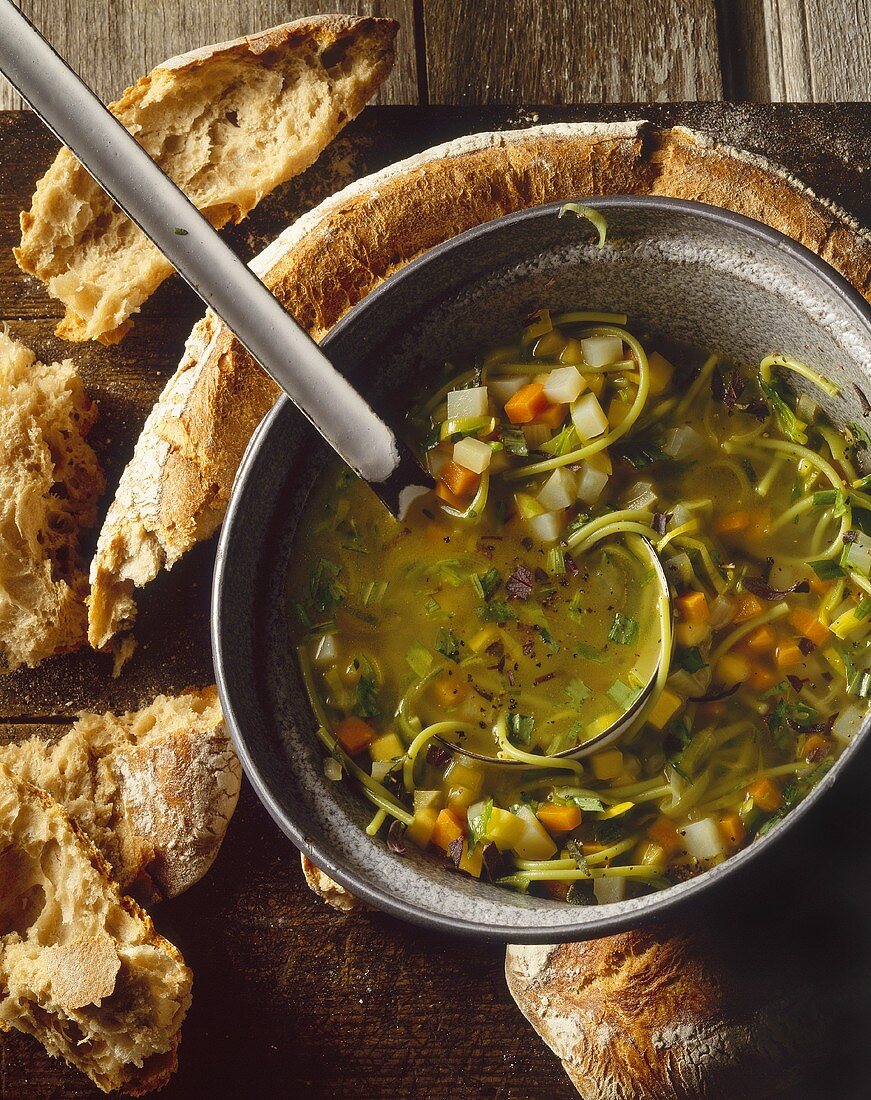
(336,896)
(228,123)
(174,492)
(50,481)
(703,1015)
(153,790)
(81,967)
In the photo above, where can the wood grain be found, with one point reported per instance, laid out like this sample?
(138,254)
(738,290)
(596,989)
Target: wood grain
(292,999)
(111,43)
(566,51)
(818,50)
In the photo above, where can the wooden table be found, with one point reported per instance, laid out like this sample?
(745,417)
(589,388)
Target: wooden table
(292,999)
(515,51)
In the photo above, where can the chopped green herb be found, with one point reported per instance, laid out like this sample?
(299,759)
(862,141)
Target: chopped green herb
(497,611)
(572,736)
(419,659)
(520,728)
(432,608)
(578,692)
(787,421)
(642,451)
(624,630)
(689,658)
(488,582)
(549,640)
(827,569)
(556,561)
(448,644)
(325,590)
(586,803)
(478,824)
(577,524)
(179,232)
(623,695)
(367,695)
(514,441)
(588,653)
(579,893)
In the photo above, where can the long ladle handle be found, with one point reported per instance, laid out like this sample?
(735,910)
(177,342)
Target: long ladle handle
(149,198)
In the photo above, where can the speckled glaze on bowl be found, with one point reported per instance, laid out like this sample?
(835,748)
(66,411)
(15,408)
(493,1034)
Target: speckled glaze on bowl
(688,272)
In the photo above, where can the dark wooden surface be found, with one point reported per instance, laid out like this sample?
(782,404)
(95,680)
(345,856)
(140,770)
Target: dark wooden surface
(290,998)
(514,51)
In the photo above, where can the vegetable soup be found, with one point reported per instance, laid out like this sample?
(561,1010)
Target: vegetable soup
(516,613)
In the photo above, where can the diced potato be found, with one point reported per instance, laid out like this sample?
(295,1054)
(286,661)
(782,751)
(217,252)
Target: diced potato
(559,490)
(691,634)
(528,506)
(437,459)
(848,723)
(608,764)
(595,382)
(547,527)
(504,828)
(732,669)
(468,403)
(502,389)
(588,417)
(564,385)
(473,454)
(681,442)
(572,353)
(386,747)
(703,839)
(535,842)
(601,351)
(460,799)
(551,344)
(420,830)
(464,775)
(601,461)
(424,799)
(660,373)
(609,891)
(664,709)
(649,854)
(591,482)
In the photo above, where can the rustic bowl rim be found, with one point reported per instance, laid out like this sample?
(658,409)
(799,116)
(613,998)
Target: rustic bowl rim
(381,898)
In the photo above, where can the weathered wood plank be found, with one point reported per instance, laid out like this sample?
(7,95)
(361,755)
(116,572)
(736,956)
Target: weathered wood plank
(111,44)
(571,52)
(818,50)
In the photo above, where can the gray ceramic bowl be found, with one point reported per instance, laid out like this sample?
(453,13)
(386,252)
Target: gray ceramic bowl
(685,271)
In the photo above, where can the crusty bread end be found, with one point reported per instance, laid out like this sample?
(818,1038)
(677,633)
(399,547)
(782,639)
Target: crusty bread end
(228,123)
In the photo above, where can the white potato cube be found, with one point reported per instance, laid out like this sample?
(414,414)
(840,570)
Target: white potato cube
(609,891)
(848,723)
(536,842)
(641,494)
(590,484)
(588,416)
(547,527)
(559,490)
(564,385)
(468,403)
(472,454)
(602,351)
(703,839)
(327,650)
(503,389)
(681,442)
(437,459)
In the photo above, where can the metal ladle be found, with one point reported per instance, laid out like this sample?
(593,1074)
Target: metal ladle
(150,199)
(617,728)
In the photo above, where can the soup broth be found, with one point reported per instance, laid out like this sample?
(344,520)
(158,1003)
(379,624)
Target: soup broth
(516,613)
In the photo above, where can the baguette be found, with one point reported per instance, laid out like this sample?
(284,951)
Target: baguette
(229,123)
(175,489)
(50,482)
(81,966)
(153,790)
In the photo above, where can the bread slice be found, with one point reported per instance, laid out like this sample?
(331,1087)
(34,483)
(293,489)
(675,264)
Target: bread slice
(229,123)
(81,967)
(50,481)
(175,490)
(336,896)
(153,790)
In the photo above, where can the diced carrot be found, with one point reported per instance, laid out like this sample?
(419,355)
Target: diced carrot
(815,747)
(732,830)
(693,607)
(788,655)
(558,890)
(664,832)
(765,794)
(354,734)
(760,523)
(818,585)
(449,690)
(747,606)
(448,828)
(553,416)
(558,819)
(732,523)
(762,678)
(808,625)
(762,638)
(525,405)
(445,494)
(459,480)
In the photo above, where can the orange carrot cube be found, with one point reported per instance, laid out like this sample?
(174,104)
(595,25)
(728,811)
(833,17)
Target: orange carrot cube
(525,405)
(663,831)
(747,606)
(693,607)
(788,655)
(763,637)
(448,828)
(354,734)
(558,819)
(553,416)
(808,625)
(460,481)
(765,794)
(732,830)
